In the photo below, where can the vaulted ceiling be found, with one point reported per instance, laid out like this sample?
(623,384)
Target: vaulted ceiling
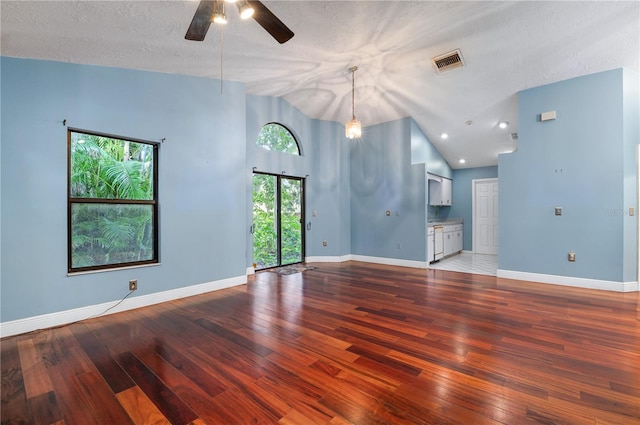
(507,46)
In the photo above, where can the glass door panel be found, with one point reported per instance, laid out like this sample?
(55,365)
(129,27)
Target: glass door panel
(291,220)
(278,205)
(265,227)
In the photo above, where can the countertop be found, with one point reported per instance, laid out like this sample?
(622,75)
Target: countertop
(446,222)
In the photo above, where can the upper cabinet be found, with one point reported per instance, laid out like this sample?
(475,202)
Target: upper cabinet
(439,190)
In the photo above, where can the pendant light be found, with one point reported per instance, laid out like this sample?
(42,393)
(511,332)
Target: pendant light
(353,129)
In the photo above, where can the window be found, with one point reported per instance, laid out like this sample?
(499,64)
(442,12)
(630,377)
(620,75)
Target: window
(276,137)
(112,202)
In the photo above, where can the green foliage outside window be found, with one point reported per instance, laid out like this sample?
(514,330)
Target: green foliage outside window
(265,241)
(275,137)
(112,202)
(265,248)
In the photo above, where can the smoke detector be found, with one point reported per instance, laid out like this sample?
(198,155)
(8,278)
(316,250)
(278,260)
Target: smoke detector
(448,61)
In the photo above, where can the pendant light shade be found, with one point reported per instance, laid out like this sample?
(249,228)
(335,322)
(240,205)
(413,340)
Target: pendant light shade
(353,129)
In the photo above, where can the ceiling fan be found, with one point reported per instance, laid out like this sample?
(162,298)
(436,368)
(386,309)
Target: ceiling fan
(213,11)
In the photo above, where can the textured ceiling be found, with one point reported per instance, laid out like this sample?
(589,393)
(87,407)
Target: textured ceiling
(507,47)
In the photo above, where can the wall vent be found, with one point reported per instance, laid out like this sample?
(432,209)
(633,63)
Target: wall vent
(448,61)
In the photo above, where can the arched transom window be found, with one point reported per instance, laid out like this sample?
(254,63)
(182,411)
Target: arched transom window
(276,137)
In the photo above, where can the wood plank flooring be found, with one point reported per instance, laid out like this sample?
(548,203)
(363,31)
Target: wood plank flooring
(347,343)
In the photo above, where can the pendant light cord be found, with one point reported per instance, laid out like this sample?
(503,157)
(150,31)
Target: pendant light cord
(353,70)
(353,94)
(221,55)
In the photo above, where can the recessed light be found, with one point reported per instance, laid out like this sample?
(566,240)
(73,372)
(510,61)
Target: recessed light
(503,124)
(444,136)
(462,161)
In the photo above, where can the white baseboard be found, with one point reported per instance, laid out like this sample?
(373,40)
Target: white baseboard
(327,259)
(368,259)
(29,324)
(605,285)
(390,261)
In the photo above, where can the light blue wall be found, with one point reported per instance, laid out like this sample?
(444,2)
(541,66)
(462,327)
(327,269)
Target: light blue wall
(462,196)
(324,163)
(206,166)
(384,179)
(423,152)
(576,162)
(202,169)
(631,141)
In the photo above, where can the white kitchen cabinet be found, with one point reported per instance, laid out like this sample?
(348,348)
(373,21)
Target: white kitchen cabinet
(457,240)
(452,239)
(440,192)
(431,253)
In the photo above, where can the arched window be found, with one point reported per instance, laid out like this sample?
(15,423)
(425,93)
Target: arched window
(276,137)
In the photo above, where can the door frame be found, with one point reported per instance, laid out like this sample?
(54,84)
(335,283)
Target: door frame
(474,182)
(278,213)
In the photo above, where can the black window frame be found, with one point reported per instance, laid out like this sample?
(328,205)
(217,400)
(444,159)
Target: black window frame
(78,200)
(293,136)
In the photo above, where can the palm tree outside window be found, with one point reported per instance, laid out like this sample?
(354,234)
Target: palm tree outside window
(112,201)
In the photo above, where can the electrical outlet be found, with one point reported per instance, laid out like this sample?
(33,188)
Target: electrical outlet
(324,243)
(572,256)
(133,284)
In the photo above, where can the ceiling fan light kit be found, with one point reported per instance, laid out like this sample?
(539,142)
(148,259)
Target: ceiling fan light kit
(245,9)
(213,11)
(353,129)
(219,15)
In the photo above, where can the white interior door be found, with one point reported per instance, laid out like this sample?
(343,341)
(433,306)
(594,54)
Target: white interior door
(485,216)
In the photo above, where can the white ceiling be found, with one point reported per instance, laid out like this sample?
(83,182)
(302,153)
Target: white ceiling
(507,46)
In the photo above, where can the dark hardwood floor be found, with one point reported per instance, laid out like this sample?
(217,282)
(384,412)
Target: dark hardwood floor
(348,343)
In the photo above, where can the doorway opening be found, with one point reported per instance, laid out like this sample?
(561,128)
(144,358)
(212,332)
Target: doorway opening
(278,220)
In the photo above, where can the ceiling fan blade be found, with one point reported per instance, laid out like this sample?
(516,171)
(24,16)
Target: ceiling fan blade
(201,21)
(270,22)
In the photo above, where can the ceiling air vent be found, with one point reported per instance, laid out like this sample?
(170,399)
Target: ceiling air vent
(448,61)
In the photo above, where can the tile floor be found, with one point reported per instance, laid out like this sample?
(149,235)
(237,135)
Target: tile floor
(468,263)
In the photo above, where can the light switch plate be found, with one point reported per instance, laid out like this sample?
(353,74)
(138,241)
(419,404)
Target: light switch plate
(549,115)
(632,211)
(558,210)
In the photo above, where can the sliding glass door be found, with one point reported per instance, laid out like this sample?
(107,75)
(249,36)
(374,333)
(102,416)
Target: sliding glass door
(278,220)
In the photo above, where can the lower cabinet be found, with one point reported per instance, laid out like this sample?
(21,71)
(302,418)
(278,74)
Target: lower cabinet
(431,253)
(452,239)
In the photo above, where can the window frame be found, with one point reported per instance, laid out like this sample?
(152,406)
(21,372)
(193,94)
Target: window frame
(115,201)
(299,153)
